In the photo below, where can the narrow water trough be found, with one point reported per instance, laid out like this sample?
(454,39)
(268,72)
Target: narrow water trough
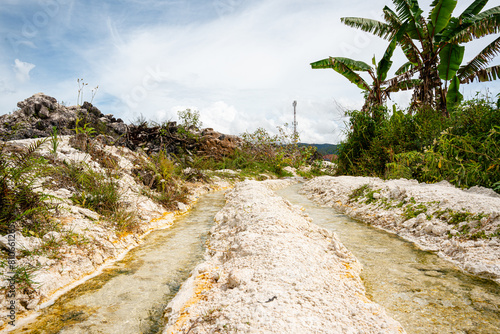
(423,292)
(130,296)
(420,290)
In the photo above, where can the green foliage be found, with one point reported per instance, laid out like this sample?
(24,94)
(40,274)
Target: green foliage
(22,277)
(463,149)
(86,129)
(466,154)
(434,47)
(93,190)
(376,93)
(189,120)
(54,140)
(412,211)
(19,202)
(263,152)
(159,173)
(96,191)
(353,152)
(358,192)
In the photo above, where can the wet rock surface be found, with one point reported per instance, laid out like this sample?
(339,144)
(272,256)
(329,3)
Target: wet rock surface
(268,269)
(461,226)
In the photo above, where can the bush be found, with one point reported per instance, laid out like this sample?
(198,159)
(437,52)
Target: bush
(263,152)
(159,173)
(462,149)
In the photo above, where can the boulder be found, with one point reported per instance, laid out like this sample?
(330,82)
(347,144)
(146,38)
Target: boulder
(38,114)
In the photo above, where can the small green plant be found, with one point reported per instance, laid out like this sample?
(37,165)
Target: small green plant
(22,277)
(161,176)
(54,141)
(412,211)
(95,191)
(83,129)
(264,152)
(358,192)
(189,118)
(458,217)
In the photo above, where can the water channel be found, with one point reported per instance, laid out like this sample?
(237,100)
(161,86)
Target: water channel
(423,292)
(130,296)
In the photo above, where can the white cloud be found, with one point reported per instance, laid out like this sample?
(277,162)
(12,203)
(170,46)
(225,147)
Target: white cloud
(22,70)
(241,67)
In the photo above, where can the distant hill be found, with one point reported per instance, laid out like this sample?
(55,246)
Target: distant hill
(324,149)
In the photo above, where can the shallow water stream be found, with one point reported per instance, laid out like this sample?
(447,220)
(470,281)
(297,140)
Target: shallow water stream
(423,292)
(130,296)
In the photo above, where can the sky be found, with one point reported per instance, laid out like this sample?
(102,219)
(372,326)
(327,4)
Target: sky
(240,63)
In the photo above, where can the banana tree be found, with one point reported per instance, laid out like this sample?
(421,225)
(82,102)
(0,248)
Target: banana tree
(377,93)
(434,45)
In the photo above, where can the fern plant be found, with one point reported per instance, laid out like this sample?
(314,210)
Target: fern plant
(20,205)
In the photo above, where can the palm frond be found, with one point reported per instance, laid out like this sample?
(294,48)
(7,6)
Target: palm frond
(485,23)
(487,74)
(404,85)
(347,68)
(480,61)
(405,68)
(473,9)
(408,10)
(392,18)
(375,27)
(409,48)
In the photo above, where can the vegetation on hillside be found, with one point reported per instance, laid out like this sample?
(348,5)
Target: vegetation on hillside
(440,136)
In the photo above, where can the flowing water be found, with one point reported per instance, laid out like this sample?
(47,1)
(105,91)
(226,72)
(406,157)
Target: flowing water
(423,292)
(130,296)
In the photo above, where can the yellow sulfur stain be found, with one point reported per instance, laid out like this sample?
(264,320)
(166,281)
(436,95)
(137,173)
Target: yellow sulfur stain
(202,283)
(348,267)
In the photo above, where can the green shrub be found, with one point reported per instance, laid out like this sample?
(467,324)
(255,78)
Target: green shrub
(22,206)
(463,149)
(95,191)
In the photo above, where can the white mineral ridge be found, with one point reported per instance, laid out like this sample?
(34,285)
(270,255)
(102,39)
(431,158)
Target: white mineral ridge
(479,257)
(268,269)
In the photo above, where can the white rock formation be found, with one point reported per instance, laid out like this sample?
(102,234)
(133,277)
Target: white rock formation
(268,269)
(448,224)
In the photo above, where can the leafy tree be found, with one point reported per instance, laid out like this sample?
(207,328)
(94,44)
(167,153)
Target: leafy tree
(378,92)
(433,45)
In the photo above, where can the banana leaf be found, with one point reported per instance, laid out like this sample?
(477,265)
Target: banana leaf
(453,97)
(450,58)
(347,68)
(441,14)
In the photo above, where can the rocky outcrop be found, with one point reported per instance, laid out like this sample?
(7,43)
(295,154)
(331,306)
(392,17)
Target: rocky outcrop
(174,139)
(38,114)
(270,270)
(462,226)
(217,145)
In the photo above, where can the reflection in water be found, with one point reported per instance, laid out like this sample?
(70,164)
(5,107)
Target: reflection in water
(130,296)
(423,292)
